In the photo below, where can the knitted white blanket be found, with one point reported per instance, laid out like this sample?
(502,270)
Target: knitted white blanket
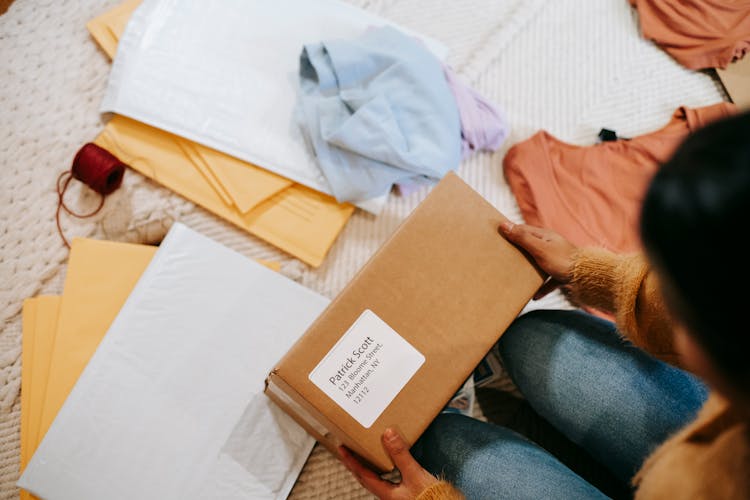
(570,66)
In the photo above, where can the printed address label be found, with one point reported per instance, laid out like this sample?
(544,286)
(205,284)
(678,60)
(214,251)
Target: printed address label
(367,368)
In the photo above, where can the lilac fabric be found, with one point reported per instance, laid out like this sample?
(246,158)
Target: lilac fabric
(483,127)
(408,187)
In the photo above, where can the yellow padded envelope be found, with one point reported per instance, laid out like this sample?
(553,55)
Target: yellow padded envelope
(235,175)
(100,276)
(28,326)
(238,183)
(294,218)
(204,168)
(108,27)
(61,334)
(39,328)
(298,220)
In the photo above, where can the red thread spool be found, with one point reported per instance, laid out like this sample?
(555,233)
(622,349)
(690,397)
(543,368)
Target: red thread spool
(97,168)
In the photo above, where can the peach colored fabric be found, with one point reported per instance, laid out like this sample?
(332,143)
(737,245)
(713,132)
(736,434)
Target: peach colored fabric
(699,34)
(592,194)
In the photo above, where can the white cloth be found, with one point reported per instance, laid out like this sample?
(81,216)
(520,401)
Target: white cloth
(171,405)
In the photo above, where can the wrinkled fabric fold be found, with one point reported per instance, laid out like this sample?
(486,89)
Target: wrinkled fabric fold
(697,34)
(376,111)
(483,126)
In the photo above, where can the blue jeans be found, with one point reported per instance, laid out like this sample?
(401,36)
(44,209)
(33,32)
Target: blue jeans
(603,393)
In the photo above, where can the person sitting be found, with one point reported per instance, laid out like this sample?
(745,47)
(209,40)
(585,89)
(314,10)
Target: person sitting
(661,396)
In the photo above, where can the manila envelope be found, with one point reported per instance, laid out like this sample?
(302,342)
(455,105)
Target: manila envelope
(298,220)
(39,328)
(100,273)
(100,276)
(238,183)
(305,226)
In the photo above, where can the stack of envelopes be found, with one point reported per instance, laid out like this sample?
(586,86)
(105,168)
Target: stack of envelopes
(60,333)
(72,392)
(294,218)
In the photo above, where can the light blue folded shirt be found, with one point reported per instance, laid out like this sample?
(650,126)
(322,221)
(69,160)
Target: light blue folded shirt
(377,110)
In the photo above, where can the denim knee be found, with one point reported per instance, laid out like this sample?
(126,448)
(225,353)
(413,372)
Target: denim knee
(452,439)
(530,334)
(486,461)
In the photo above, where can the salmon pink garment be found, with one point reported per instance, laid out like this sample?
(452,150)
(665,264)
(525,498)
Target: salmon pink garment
(699,34)
(592,194)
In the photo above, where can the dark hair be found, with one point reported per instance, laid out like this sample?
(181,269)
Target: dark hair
(694,222)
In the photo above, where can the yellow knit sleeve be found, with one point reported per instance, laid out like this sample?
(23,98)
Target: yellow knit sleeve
(442,490)
(625,286)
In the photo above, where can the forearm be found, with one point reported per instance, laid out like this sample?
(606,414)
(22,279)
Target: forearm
(624,286)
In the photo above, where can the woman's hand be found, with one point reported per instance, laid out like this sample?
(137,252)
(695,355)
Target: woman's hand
(414,479)
(553,253)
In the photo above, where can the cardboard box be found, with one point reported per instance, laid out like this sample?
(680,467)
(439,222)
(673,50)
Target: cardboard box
(736,81)
(408,330)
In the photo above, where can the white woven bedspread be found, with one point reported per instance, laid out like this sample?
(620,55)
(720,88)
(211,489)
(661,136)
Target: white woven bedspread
(570,66)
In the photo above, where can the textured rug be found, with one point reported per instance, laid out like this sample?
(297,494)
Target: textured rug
(569,66)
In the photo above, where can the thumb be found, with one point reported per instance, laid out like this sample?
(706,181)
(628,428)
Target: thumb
(506,229)
(523,235)
(398,450)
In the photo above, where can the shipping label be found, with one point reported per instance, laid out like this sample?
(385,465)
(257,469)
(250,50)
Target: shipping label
(367,368)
